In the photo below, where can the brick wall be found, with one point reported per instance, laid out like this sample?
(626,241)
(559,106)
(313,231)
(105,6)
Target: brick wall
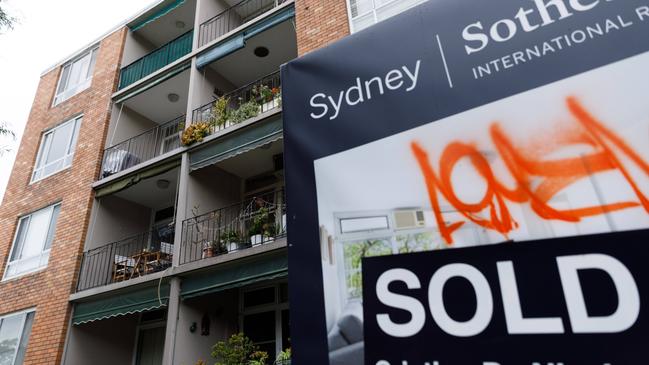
(48,290)
(320,22)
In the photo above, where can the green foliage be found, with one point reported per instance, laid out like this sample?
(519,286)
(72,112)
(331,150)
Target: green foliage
(247,110)
(238,350)
(284,355)
(195,133)
(260,222)
(230,236)
(220,112)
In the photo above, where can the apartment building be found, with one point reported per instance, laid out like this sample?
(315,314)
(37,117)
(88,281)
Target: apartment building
(145,218)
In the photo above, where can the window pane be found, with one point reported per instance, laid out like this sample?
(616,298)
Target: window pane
(150,346)
(20,238)
(260,329)
(394,8)
(360,7)
(52,228)
(36,234)
(27,330)
(9,336)
(259,297)
(79,71)
(354,252)
(45,146)
(60,142)
(65,74)
(91,67)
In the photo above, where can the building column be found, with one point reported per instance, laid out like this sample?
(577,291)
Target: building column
(173,309)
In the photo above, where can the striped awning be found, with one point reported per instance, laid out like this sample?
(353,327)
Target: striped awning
(120,304)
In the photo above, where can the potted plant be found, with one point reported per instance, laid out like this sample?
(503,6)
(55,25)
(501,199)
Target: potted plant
(259,223)
(284,357)
(220,113)
(195,133)
(208,249)
(268,97)
(238,350)
(230,240)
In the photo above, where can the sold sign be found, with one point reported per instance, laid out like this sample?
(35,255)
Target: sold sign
(572,301)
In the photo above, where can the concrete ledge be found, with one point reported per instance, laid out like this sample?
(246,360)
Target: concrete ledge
(117,286)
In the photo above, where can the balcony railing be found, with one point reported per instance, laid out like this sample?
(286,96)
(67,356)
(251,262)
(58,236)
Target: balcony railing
(233,17)
(256,221)
(156,60)
(239,105)
(127,259)
(143,147)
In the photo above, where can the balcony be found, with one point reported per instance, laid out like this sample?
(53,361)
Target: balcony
(234,17)
(256,221)
(143,147)
(130,258)
(260,96)
(154,61)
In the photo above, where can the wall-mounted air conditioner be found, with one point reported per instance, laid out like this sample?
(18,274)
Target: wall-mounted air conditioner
(409,219)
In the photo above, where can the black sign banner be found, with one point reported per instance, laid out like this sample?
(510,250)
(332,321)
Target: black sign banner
(457,124)
(562,301)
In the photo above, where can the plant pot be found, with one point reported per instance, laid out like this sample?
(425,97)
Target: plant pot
(269,105)
(232,246)
(256,239)
(208,252)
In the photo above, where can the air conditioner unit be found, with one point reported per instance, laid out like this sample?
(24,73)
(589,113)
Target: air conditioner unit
(409,219)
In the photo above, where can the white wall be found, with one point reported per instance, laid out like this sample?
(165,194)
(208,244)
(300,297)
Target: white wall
(222,308)
(105,342)
(129,125)
(211,188)
(135,47)
(114,219)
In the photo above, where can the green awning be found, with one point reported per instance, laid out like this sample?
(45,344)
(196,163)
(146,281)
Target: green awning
(270,22)
(239,142)
(234,275)
(220,50)
(131,180)
(156,14)
(121,304)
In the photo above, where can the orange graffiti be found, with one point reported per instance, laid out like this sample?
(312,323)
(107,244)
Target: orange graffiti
(524,164)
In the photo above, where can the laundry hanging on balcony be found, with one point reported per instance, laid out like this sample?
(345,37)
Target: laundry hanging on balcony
(120,304)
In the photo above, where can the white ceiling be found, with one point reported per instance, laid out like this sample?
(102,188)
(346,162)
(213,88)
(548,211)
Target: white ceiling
(147,193)
(253,163)
(243,67)
(154,103)
(164,29)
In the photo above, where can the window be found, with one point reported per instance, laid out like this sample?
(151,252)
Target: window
(368,12)
(57,149)
(31,248)
(76,76)
(265,318)
(14,333)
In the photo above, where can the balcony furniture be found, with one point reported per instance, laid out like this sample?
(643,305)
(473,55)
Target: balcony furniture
(123,268)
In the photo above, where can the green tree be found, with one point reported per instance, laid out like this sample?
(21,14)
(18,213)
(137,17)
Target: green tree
(6,21)
(238,350)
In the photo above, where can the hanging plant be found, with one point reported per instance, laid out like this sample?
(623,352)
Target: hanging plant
(195,133)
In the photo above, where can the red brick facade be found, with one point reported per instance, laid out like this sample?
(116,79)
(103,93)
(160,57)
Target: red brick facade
(320,22)
(48,290)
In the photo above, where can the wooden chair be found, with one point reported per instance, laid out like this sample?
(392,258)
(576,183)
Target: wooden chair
(122,268)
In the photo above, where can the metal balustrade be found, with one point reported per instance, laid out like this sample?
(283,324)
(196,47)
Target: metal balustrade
(132,257)
(156,60)
(234,17)
(143,147)
(255,221)
(243,103)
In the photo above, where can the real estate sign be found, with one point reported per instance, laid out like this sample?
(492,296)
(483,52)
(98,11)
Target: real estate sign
(480,134)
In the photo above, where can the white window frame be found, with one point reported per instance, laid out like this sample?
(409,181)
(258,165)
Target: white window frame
(276,307)
(373,12)
(45,252)
(23,313)
(40,165)
(72,90)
